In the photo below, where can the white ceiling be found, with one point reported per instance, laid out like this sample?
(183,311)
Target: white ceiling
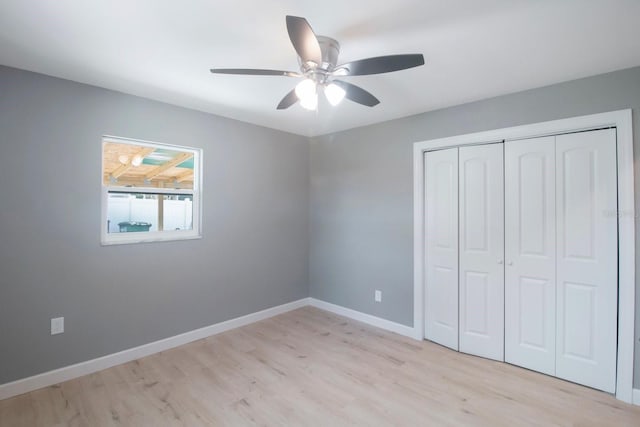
(163,49)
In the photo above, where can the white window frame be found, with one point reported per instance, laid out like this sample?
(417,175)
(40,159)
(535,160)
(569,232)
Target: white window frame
(153,236)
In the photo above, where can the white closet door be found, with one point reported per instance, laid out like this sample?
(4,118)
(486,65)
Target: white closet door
(441,198)
(587,281)
(530,254)
(482,251)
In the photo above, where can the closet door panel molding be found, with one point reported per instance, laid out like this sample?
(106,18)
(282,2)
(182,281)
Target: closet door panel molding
(441,263)
(587,247)
(530,251)
(481,250)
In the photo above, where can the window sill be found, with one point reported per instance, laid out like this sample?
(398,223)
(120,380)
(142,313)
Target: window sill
(146,237)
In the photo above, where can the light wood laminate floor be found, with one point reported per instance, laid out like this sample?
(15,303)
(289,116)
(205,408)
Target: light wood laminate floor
(311,367)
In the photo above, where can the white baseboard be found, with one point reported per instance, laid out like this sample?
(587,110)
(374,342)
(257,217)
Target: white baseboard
(90,366)
(378,322)
(67,373)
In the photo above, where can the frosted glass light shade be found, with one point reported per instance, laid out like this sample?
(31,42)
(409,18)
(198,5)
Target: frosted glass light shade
(310,102)
(334,93)
(306,92)
(305,89)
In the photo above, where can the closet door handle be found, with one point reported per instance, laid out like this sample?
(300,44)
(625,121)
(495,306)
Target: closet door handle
(510,263)
(500,261)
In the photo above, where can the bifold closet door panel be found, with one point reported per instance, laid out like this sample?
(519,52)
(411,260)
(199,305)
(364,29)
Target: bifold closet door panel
(481,302)
(587,248)
(441,264)
(530,254)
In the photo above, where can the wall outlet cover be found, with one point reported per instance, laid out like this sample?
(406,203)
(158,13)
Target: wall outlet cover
(57,325)
(378,296)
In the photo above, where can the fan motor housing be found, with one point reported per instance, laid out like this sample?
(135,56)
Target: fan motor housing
(330,49)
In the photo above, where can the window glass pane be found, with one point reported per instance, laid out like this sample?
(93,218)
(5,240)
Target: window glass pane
(150,191)
(143,166)
(130,212)
(178,213)
(138,212)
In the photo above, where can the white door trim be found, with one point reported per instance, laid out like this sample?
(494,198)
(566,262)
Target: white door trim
(622,120)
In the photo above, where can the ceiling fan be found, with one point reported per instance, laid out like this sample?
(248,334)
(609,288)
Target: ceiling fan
(318,58)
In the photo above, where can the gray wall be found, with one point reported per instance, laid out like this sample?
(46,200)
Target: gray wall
(257,251)
(362,196)
(254,253)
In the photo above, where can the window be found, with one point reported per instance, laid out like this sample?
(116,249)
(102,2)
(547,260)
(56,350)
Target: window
(150,191)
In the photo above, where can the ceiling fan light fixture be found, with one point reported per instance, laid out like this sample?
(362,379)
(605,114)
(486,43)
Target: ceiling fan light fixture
(334,93)
(307,93)
(318,61)
(305,89)
(310,102)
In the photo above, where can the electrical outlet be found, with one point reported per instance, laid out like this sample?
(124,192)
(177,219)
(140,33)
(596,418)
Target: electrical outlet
(57,325)
(378,296)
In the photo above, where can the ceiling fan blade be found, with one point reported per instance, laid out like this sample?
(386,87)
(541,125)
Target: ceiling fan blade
(255,72)
(383,64)
(304,39)
(288,100)
(357,94)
